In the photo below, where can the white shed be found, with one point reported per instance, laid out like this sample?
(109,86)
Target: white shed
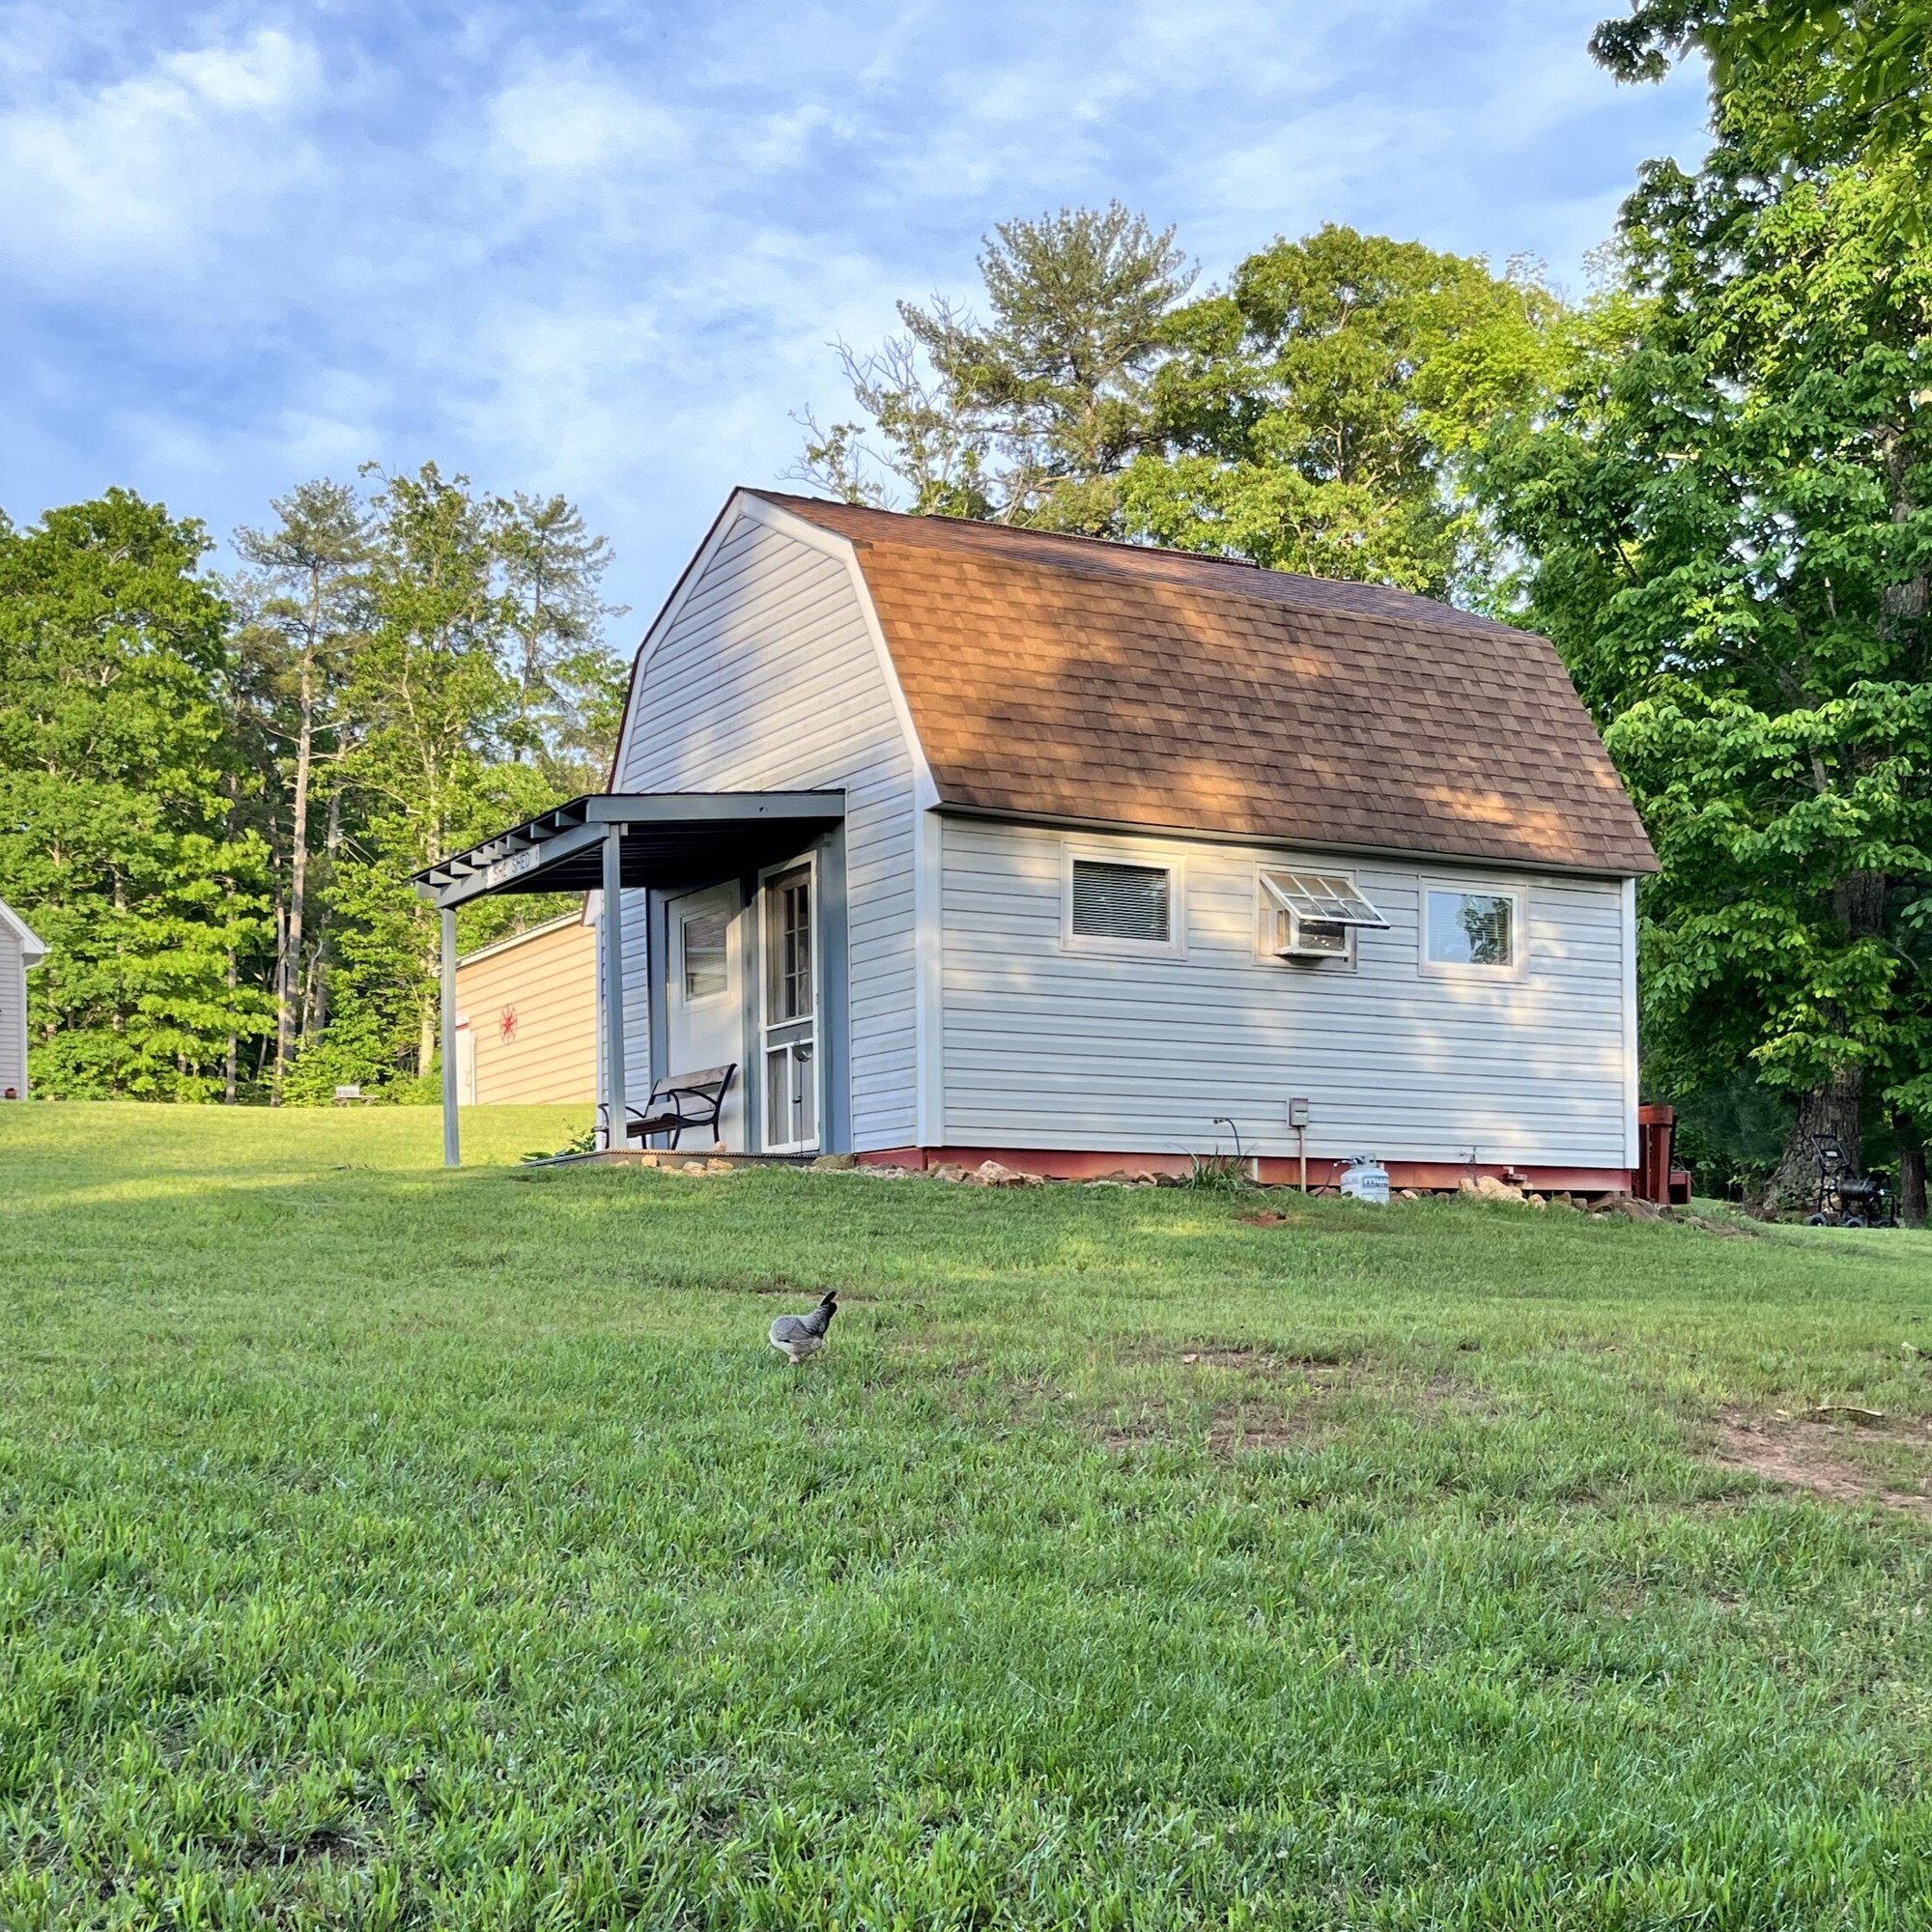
(19,951)
(956,840)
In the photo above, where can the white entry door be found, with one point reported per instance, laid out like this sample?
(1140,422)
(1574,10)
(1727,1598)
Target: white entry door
(704,1007)
(788,926)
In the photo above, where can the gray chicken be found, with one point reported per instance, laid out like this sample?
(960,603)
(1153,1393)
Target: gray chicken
(797,1336)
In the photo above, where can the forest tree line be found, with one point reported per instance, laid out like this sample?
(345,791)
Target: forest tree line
(212,790)
(1708,479)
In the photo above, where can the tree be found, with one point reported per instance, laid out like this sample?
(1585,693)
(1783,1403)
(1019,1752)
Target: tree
(475,691)
(1316,414)
(1815,81)
(569,686)
(1032,416)
(119,780)
(1726,513)
(305,615)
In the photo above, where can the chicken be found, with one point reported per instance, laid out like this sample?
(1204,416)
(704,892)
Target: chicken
(797,1336)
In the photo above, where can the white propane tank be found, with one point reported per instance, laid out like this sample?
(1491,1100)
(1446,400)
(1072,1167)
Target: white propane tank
(1366,1178)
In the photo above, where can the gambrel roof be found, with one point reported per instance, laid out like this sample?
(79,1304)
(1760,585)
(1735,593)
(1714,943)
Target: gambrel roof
(1067,678)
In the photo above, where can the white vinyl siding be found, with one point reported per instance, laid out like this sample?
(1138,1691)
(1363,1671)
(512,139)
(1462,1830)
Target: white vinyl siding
(768,680)
(12,1015)
(1050,1047)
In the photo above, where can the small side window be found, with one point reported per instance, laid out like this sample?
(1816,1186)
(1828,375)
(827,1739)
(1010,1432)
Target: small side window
(706,939)
(1475,929)
(1132,903)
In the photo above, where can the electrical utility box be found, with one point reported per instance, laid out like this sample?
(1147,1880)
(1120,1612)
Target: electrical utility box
(1297,1113)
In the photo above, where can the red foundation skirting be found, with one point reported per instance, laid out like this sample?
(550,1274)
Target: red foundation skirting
(1276,1171)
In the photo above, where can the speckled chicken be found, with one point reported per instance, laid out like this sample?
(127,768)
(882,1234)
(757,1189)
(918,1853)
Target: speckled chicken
(797,1336)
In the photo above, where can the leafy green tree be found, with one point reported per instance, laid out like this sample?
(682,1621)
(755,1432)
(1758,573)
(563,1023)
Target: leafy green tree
(1314,415)
(477,693)
(1813,81)
(1726,513)
(306,614)
(569,685)
(1317,414)
(119,792)
(1031,416)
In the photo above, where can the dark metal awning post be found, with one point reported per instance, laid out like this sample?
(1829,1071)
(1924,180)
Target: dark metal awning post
(452,1141)
(613,921)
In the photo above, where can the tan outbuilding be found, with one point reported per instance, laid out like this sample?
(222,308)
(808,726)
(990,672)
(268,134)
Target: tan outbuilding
(19,951)
(527,1018)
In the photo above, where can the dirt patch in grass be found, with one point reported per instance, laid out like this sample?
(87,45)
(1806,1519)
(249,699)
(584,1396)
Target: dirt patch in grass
(1232,1429)
(325,1842)
(1824,1458)
(1326,1407)
(1255,1357)
(1368,1221)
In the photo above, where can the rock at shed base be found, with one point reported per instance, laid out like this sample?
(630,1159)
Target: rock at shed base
(996,1173)
(1486,1187)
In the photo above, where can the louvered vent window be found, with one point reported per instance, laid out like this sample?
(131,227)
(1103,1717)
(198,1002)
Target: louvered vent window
(1132,903)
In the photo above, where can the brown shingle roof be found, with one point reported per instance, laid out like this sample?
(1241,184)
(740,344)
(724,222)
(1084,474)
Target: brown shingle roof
(1063,677)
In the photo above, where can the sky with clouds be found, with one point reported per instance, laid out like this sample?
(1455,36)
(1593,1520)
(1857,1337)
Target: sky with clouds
(603,248)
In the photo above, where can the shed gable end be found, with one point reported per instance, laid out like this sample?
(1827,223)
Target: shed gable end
(764,674)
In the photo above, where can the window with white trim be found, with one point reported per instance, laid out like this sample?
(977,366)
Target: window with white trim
(1113,903)
(1314,915)
(704,941)
(1480,930)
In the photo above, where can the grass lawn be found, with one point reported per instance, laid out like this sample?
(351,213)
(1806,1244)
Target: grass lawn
(381,1546)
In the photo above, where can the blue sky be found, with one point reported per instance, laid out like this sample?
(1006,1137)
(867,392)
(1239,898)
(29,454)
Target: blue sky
(603,249)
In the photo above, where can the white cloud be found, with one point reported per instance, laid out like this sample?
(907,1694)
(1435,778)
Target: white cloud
(148,176)
(604,249)
(573,120)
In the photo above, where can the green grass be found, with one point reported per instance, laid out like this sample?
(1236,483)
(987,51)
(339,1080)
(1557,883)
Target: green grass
(381,1546)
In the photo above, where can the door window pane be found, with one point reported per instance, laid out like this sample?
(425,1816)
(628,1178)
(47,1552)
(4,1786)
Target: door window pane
(1471,929)
(788,948)
(706,939)
(791,1095)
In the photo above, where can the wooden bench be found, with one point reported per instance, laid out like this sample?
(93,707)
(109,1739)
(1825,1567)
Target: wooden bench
(679,1100)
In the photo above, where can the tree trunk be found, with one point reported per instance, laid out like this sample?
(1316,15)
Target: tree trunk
(1832,1109)
(288,979)
(315,998)
(1912,1183)
(233,1044)
(1836,1107)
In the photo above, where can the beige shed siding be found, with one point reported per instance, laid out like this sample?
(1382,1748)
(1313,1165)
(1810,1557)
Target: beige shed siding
(550,979)
(766,679)
(1046,1047)
(12,1015)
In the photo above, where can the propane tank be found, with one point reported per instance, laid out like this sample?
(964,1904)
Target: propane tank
(1366,1178)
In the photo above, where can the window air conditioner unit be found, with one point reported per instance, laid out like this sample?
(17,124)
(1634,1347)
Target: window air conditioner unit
(1314,915)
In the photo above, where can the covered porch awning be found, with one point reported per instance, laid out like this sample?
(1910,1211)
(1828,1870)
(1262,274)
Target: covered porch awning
(672,841)
(668,841)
